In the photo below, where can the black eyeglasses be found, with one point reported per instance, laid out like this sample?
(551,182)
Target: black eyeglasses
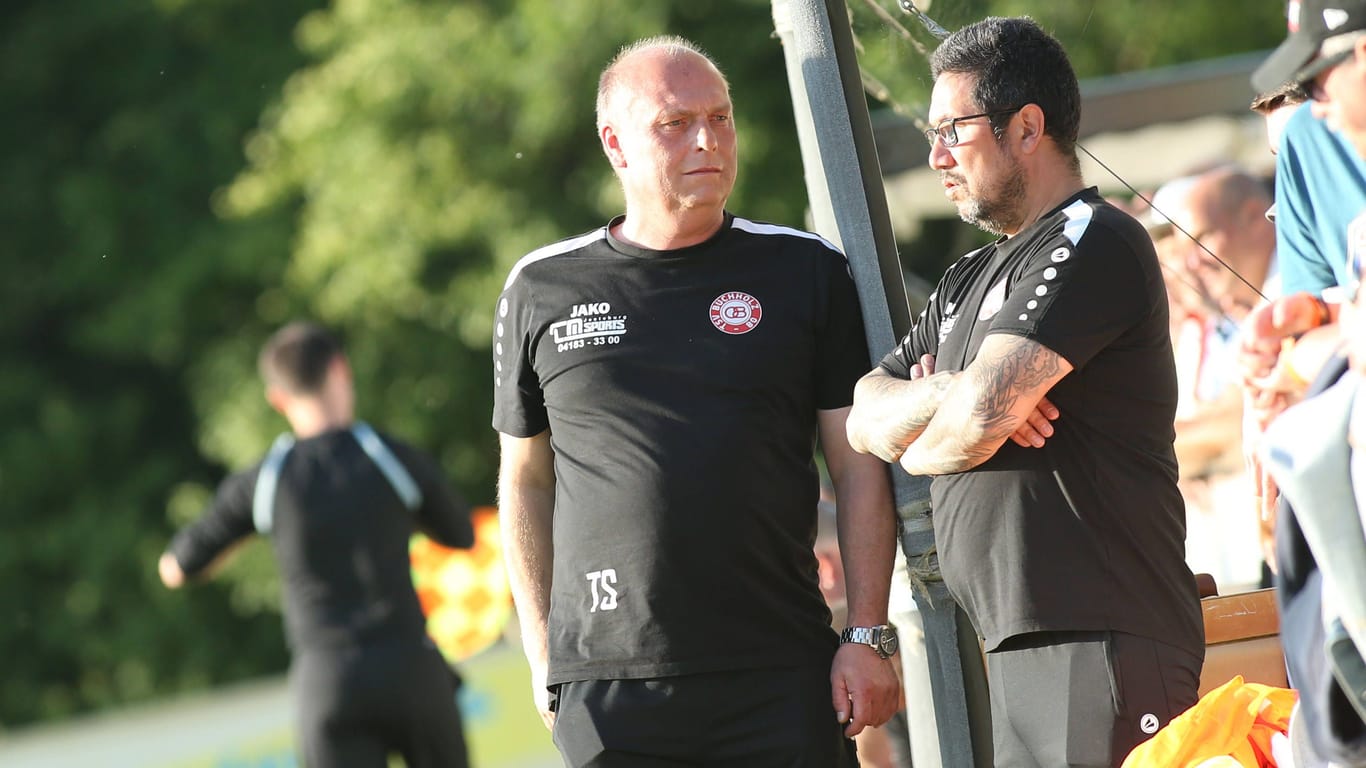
(947,130)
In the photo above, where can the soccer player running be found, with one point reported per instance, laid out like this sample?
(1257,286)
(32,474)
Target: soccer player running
(340,502)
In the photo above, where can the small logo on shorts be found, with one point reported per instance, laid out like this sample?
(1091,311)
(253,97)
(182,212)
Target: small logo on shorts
(1148,724)
(735,313)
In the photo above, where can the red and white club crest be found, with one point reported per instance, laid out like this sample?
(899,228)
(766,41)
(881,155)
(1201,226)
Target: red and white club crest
(736,313)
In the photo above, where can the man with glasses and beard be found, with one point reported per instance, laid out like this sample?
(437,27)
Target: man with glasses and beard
(1038,388)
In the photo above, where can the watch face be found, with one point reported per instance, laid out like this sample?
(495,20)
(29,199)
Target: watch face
(888,643)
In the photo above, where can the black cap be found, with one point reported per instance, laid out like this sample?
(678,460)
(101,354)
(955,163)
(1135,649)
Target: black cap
(1310,22)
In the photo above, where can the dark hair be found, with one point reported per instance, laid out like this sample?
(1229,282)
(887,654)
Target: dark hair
(1016,63)
(297,356)
(1288,94)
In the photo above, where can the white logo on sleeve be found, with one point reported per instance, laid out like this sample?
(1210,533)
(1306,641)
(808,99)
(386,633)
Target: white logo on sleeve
(995,299)
(603,592)
(1148,724)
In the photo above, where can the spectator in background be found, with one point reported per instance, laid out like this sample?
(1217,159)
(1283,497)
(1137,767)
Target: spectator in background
(1274,371)
(340,502)
(1219,260)
(1320,188)
(1317,446)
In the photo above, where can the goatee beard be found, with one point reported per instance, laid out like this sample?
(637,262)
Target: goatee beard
(999,213)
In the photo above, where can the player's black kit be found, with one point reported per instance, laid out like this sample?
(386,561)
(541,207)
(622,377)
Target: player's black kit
(1079,544)
(340,509)
(681,389)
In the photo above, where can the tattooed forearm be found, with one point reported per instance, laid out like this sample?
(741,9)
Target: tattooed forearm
(889,413)
(1001,381)
(981,415)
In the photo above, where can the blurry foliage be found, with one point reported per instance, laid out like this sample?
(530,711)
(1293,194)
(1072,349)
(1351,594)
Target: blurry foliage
(182,177)
(1101,37)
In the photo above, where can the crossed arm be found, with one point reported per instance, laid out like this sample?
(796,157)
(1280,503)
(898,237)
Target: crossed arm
(938,423)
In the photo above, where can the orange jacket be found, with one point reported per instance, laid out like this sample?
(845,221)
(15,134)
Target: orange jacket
(1236,719)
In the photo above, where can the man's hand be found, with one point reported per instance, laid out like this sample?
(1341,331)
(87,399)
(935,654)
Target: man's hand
(881,422)
(1267,327)
(169,569)
(864,686)
(541,695)
(1035,430)
(1038,427)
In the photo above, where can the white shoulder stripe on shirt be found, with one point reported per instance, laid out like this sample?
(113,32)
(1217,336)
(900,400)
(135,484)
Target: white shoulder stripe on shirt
(554,249)
(745,225)
(1078,219)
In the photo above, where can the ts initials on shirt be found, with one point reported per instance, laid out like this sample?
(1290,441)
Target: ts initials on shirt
(604,593)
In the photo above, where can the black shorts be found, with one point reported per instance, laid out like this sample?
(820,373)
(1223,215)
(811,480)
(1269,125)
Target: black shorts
(759,718)
(355,707)
(1084,699)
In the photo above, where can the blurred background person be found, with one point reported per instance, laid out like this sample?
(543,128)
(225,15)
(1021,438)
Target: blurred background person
(1219,261)
(1314,446)
(340,502)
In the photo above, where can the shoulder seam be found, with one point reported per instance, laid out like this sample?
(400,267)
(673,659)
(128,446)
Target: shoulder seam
(757,228)
(554,249)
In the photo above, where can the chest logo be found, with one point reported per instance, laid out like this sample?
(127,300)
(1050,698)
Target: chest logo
(995,299)
(589,325)
(950,320)
(735,313)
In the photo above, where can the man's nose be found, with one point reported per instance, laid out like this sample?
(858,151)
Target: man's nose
(940,156)
(706,137)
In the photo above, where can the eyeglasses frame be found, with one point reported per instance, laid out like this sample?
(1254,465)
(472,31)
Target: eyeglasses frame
(951,139)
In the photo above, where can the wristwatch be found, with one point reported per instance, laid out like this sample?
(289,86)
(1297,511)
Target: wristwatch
(881,638)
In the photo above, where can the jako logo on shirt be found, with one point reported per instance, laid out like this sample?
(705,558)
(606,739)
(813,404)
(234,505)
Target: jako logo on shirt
(604,594)
(1148,723)
(735,313)
(589,325)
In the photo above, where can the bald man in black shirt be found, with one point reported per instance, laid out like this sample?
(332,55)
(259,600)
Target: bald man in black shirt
(340,503)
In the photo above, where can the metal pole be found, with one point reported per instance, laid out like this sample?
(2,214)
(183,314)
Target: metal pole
(844,185)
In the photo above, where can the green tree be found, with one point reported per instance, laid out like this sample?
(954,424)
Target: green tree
(121,118)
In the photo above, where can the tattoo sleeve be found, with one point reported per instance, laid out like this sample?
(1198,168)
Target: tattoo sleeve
(889,413)
(967,436)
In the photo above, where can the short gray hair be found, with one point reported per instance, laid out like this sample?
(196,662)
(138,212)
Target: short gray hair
(673,45)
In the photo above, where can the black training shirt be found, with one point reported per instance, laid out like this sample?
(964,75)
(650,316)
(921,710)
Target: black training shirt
(1088,532)
(680,389)
(340,535)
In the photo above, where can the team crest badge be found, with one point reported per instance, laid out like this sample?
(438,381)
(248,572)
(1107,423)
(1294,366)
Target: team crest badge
(735,313)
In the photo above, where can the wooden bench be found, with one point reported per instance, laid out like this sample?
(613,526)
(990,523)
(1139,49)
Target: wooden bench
(1242,637)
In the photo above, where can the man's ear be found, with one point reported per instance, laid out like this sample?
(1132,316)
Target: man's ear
(339,366)
(278,398)
(611,145)
(1031,127)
